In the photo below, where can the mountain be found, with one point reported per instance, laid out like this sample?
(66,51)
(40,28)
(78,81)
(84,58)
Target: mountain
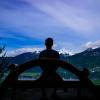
(22,58)
(89,58)
(27,56)
(65,51)
(91,52)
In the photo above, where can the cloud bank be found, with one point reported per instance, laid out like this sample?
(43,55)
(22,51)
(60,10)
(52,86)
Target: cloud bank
(19,51)
(92,44)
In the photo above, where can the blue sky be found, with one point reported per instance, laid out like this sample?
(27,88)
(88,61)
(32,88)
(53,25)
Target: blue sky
(74,24)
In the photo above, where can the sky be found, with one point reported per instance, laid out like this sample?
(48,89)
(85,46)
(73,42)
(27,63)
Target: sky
(73,24)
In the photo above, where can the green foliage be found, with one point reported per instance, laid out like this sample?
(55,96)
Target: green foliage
(85,61)
(3,62)
(89,62)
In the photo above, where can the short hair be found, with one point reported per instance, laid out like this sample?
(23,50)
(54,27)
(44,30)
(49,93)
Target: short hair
(49,42)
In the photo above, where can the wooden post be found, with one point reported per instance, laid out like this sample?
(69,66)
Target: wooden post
(12,68)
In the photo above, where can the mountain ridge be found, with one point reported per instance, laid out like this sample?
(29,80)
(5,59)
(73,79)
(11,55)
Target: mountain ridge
(89,59)
(64,56)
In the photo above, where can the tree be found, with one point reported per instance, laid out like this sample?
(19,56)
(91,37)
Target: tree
(3,62)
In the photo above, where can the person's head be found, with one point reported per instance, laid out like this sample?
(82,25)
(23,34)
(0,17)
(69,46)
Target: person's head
(49,43)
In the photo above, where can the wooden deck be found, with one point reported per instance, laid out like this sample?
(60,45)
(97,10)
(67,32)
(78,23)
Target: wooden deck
(28,90)
(13,89)
(35,94)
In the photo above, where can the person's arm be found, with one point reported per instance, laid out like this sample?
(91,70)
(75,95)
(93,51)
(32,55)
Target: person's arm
(58,56)
(41,55)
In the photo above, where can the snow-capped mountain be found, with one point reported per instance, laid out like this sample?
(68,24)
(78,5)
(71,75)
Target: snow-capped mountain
(89,58)
(83,56)
(36,50)
(65,51)
(91,52)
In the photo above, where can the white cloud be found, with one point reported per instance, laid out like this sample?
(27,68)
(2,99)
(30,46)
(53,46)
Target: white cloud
(91,44)
(29,24)
(46,16)
(22,50)
(66,47)
(78,19)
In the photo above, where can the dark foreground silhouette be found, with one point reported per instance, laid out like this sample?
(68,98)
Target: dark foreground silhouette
(11,83)
(49,72)
(49,63)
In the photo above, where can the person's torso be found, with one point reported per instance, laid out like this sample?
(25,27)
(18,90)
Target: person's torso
(49,54)
(49,72)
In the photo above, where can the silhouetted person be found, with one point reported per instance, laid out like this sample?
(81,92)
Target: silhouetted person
(49,52)
(49,72)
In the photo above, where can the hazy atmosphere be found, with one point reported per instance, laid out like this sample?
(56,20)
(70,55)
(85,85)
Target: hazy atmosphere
(74,24)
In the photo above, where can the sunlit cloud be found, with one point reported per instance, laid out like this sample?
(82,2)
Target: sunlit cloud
(92,44)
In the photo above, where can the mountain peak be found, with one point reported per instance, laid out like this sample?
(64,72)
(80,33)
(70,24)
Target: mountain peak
(91,52)
(65,51)
(89,49)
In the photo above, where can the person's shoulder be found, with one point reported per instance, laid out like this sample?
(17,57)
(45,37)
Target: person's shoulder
(55,51)
(56,54)
(42,51)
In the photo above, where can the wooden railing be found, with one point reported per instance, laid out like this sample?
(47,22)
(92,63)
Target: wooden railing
(12,79)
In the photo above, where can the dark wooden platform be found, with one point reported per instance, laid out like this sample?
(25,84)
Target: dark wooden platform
(31,90)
